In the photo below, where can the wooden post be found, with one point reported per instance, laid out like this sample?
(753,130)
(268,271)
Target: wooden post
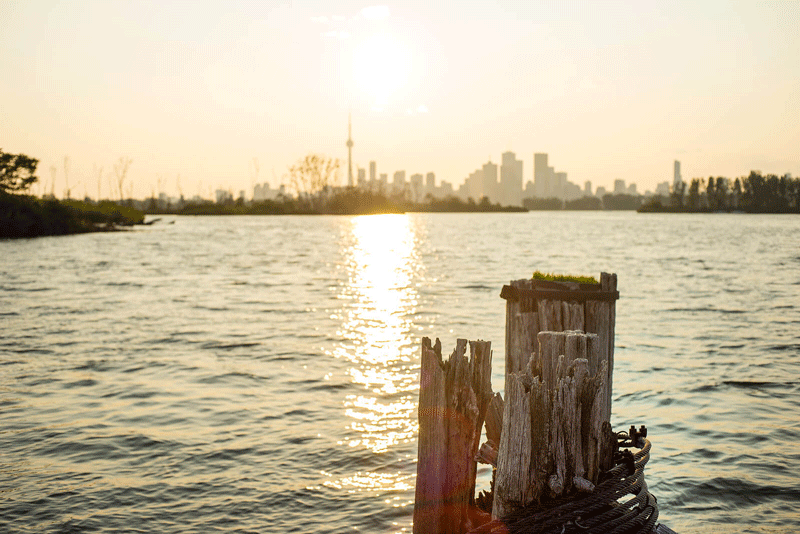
(534,306)
(453,400)
(555,436)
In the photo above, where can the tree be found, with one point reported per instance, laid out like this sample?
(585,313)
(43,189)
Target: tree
(721,190)
(678,192)
(694,195)
(17,172)
(121,171)
(313,173)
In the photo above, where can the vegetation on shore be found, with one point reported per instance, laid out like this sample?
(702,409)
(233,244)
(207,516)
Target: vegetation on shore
(618,201)
(755,193)
(23,215)
(27,216)
(344,201)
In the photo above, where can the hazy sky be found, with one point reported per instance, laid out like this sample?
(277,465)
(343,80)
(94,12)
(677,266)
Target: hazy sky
(198,89)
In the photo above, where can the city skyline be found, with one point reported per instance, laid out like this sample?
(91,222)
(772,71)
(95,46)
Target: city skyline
(610,91)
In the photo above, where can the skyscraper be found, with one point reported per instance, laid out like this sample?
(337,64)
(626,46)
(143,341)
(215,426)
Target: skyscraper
(511,180)
(541,176)
(372,171)
(676,180)
(490,181)
(349,152)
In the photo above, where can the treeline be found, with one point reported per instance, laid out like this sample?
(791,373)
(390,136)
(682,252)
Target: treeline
(23,215)
(752,194)
(608,202)
(346,201)
(28,216)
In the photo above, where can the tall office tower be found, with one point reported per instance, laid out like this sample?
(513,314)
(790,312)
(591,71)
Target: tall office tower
(474,186)
(490,181)
(362,177)
(541,176)
(619,187)
(511,180)
(349,152)
(399,182)
(430,184)
(417,193)
(372,171)
(560,185)
(587,188)
(676,180)
(384,178)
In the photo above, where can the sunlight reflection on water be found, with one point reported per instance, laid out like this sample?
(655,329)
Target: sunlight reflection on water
(380,301)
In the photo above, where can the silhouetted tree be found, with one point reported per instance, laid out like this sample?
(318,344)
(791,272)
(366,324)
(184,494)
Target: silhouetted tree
(711,196)
(693,202)
(676,197)
(721,190)
(313,174)
(17,172)
(621,201)
(584,203)
(737,193)
(121,172)
(546,204)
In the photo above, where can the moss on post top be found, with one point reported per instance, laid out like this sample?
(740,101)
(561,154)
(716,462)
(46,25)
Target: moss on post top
(550,277)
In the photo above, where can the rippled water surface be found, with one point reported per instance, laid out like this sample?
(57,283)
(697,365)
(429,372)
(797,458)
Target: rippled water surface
(260,374)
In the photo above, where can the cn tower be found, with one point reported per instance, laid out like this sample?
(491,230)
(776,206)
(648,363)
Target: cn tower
(349,152)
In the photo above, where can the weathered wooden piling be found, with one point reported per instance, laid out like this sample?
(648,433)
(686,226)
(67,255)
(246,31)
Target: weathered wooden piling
(534,306)
(556,437)
(453,400)
(550,441)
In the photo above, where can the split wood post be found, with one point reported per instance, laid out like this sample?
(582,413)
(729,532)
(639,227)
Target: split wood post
(453,400)
(534,306)
(556,437)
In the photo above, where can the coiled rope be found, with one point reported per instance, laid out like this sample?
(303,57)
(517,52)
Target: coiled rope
(607,510)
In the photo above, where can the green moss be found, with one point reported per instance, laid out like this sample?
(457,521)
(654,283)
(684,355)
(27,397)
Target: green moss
(550,277)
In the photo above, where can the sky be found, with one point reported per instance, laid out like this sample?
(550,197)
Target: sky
(224,94)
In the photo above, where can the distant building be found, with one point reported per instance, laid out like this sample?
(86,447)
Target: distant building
(559,184)
(541,176)
(587,188)
(600,192)
(472,186)
(663,189)
(530,190)
(619,187)
(490,184)
(372,170)
(676,178)
(362,177)
(415,183)
(349,152)
(510,180)
(399,183)
(430,184)
(262,192)
(223,196)
(632,190)
(446,189)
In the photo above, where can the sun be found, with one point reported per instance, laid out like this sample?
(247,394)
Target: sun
(381,68)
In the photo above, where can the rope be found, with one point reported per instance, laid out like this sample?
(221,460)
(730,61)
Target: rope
(607,510)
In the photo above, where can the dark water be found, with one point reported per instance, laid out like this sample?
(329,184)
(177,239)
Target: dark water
(260,374)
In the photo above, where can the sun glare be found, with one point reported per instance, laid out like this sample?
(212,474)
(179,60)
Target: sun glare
(381,68)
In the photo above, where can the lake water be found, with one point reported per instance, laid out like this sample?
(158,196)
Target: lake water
(260,374)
